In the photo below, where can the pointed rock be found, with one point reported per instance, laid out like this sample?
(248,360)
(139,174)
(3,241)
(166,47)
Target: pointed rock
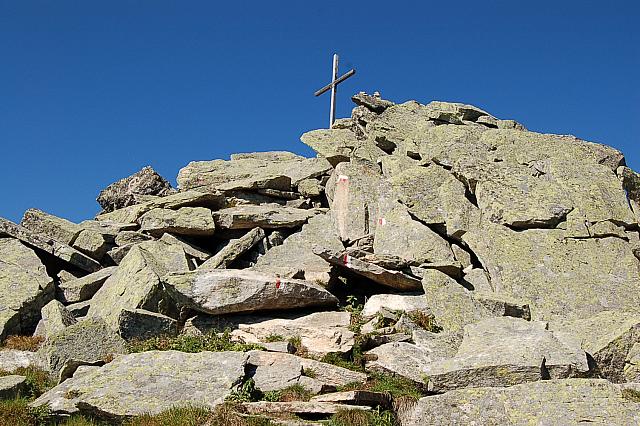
(123,192)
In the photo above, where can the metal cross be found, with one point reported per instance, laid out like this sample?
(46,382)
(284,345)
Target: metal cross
(335,80)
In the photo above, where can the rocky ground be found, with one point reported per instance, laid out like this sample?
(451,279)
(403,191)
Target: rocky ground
(433,265)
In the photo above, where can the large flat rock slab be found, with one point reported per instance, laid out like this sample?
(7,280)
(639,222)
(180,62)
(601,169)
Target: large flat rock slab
(57,249)
(227,291)
(84,288)
(149,382)
(264,216)
(50,226)
(550,402)
(25,287)
(193,221)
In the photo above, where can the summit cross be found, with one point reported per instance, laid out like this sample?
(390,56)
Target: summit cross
(335,80)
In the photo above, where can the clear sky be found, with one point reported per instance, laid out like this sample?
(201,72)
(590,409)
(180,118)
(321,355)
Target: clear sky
(91,91)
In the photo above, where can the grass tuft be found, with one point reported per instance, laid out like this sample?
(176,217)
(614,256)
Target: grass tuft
(396,386)
(362,418)
(23,343)
(38,381)
(292,393)
(212,341)
(425,321)
(274,338)
(631,395)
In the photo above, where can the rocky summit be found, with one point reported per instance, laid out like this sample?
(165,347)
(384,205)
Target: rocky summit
(433,264)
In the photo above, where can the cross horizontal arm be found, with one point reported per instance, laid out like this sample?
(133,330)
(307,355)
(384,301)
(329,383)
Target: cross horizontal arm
(334,83)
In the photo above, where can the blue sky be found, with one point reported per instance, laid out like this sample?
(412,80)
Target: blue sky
(93,91)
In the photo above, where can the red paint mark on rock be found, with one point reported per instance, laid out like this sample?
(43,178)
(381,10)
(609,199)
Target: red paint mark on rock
(277,283)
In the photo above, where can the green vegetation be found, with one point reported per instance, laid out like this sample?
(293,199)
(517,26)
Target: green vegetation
(38,381)
(212,341)
(631,395)
(292,393)
(247,392)
(309,372)
(274,338)
(425,321)
(362,418)
(396,386)
(23,343)
(354,360)
(299,350)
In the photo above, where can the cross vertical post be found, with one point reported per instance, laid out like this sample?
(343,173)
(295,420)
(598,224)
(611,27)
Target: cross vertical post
(334,89)
(335,80)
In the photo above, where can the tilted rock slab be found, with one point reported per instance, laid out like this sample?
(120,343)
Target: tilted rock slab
(55,319)
(132,213)
(264,216)
(194,221)
(50,226)
(149,382)
(136,283)
(390,278)
(299,407)
(394,302)
(226,291)
(52,247)
(494,352)
(608,337)
(84,288)
(296,252)
(549,402)
(25,287)
(234,249)
(339,145)
(558,275)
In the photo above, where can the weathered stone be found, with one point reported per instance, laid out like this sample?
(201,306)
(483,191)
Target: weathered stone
(196,221)
(310,188)
(631,371)
(402,359)
(298,407)
(190,249)
(12,387)
(256,171)
(227,291)
(607,336)
(297,251)
(116,254)
(559,276)
(452,305)
(55,318)
(132,213)
(61,400)
(52,247)
(357,397)
(108,228)
(360,198)
(372,102)
(149,382)
(49,226)
(25,287)
(274,371)
(122,193)
(394,302)
(501,305)
(320,333)
(79,309)
(394,279)
(136,283)
(140,324)
(92,243)
(88,342)
(234,249)
(264,216)
(439,346)
(131,237)
(339,145)
(84,288)
(631,184)
(479,280)
(398,234)
(549,402)
(11,360)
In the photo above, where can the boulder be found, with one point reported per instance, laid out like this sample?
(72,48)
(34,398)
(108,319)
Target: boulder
(234,249)
(49,226)
(140,324)
(394,302)
(149,382)
(136,283)
(55,319)
(607,336)
(49,246)
(226,291)
(631,371)
(132,213)
(356,397)
(297,252)
(12,386)
(189,248)
(264,216)
(123,192)
(11,360)
(84,288)
(339,145)
(372,102)
(310,188)
(92,243)
(569,401)
(25,287)
(557,275)
(194,221)
(88,342)
(390,278)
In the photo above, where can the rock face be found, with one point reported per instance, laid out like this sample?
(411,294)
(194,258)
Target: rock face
(491,269)
(125,192)
(149,382)
(228,291)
